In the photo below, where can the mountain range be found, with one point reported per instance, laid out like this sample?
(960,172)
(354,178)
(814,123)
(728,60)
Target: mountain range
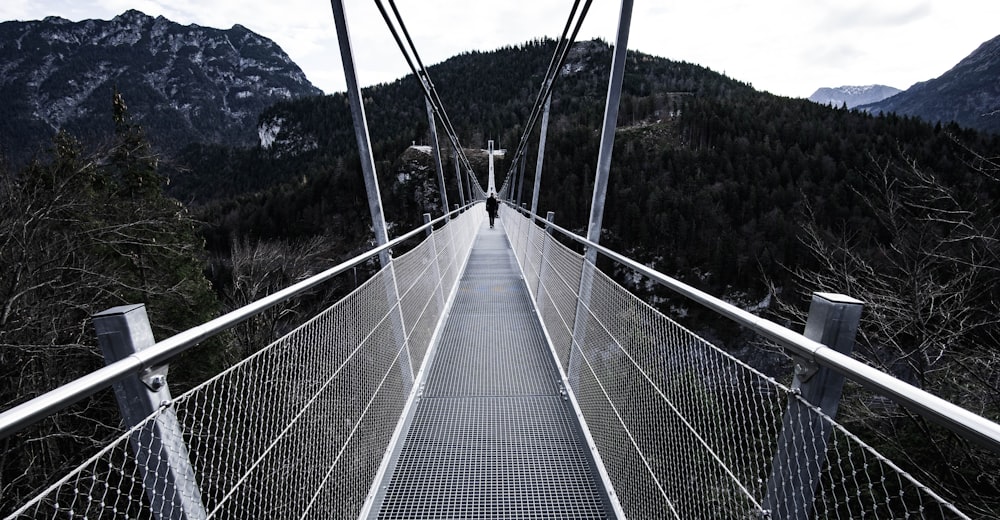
(968,94)
(852,96)
(205,86)
(183,84)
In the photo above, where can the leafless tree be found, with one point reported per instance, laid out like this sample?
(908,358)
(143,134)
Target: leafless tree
(928,271)
(262,267)
(79,234)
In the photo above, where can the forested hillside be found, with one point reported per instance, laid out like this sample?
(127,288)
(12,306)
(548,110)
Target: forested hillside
(709,176)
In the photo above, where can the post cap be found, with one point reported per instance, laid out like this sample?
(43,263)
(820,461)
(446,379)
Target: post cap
(838,298)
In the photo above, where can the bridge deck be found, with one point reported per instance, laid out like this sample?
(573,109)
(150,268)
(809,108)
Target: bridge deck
(491,436)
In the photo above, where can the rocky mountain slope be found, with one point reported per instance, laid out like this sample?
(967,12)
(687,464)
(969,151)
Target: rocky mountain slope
(968,94)
(853,95)
(183,83)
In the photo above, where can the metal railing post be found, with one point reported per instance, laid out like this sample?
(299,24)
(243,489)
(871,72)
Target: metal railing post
(795,471)
(469,180)
(520,178)
(160,452)
(361,129)
(550,218)
(434,260)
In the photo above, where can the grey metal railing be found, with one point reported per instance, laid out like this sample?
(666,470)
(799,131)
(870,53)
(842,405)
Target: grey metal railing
(684,429)
(662,403)
(963,422)
(297,427)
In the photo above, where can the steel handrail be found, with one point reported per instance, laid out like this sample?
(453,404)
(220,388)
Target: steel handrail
(963,422)
(29,412)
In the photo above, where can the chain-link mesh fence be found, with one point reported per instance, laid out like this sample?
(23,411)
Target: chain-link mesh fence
(685,430)
(300,428)
(297,430)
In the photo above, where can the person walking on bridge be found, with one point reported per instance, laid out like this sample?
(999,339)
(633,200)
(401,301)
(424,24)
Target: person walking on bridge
(492,206)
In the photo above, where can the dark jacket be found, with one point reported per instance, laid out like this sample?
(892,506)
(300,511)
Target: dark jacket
(492,205)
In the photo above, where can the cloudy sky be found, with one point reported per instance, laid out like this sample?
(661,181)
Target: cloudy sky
(787,47)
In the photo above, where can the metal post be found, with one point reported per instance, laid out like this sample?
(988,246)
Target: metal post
(436,152)
(520,178)
(371,183)
(434,261)
(608,130)
(468,183)
(361,129)
(541,155)
(795,471)
(550,219)
(468,176)
(580,321)
(452,246)
(430,231)
(491,183)
(458,179)
(160,452)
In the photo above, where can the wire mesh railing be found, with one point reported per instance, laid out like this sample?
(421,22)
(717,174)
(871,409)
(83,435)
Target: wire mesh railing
(300,428)
(686,430)
(297,430)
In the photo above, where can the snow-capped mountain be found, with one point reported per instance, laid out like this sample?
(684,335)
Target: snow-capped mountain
(968,94)
(182,83)
(852,95)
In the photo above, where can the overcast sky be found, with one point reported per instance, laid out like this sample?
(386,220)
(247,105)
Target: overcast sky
(787,47)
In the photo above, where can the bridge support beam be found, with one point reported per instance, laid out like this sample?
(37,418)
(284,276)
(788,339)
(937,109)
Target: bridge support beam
(458,179)
(160,452)
(608,129)
(541,155)
(360,121)
(361,129)
(520,181)
(436,152)
(802,444)
(468,183)
(600,185)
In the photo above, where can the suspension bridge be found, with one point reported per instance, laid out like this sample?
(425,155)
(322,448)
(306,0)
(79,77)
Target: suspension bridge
(490,373)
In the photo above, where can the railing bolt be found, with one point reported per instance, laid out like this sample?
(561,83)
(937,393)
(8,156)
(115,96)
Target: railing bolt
(157,382)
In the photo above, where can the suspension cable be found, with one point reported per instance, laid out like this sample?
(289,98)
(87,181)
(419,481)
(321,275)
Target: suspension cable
(555,62)
(422,74)
(419,70)
(554,73)
(562,51)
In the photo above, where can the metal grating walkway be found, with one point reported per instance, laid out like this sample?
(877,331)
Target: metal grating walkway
(491,436)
